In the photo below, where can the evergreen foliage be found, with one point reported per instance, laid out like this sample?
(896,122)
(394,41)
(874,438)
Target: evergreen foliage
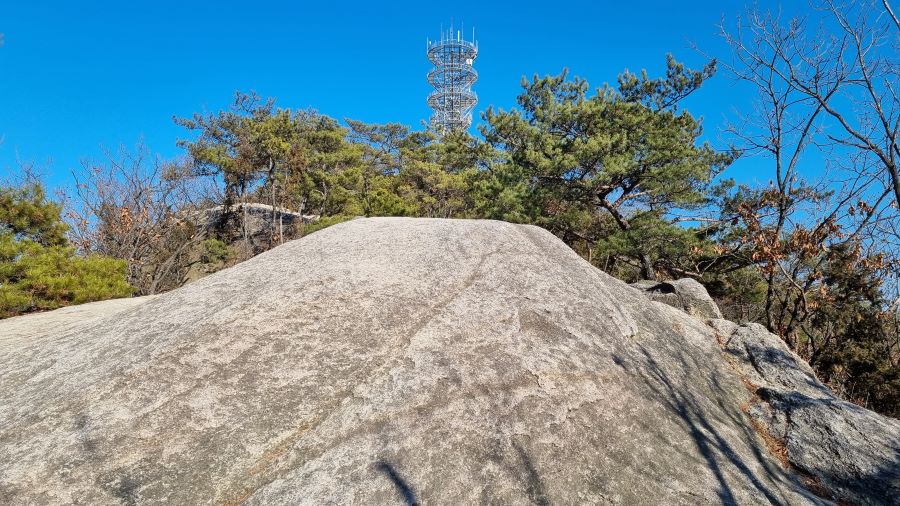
(855,352)
(38,268)
(612,169)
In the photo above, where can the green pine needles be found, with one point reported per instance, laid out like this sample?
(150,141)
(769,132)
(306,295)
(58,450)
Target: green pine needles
(39,270)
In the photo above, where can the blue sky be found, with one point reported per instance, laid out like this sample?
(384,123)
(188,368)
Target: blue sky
(79,76)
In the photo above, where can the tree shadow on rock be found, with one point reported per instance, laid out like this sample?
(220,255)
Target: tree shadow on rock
(402,486)
(534,485)
(718,453)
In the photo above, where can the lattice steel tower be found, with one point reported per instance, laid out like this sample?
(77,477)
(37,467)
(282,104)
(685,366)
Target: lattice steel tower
(452,77)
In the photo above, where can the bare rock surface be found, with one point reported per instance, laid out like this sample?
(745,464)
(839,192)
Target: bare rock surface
(387,361)
(31,326)
(851,452)
(259,217)
(686,294)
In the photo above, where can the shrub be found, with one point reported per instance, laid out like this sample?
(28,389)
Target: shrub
(38,268)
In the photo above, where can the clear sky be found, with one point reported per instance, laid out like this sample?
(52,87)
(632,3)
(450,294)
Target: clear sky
(79,76)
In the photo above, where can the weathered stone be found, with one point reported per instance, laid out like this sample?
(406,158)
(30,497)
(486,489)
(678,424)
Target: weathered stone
(851,451)
(386,361)
(686,294)
(259,218)
(36,325)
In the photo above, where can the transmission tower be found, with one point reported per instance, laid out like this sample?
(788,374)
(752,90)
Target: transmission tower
(452,77)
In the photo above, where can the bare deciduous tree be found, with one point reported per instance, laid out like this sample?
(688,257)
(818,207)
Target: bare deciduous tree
(145,211)
(827,114)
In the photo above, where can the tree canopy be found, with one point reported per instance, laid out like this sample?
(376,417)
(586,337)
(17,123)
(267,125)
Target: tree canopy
(615,168)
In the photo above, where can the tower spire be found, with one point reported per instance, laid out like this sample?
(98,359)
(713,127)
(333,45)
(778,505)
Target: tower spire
(452,100)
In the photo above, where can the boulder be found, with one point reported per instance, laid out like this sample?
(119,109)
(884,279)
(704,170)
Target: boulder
(259,218)
(686,294)
(851,453)
(388,361)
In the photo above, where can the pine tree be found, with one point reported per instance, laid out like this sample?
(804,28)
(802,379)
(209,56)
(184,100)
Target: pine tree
(38,268)
(611,168)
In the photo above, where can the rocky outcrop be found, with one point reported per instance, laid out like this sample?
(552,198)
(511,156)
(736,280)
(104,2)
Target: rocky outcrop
(259,218)
(842,451)
(686,294)
(852,453)
(47,324)
(388,361)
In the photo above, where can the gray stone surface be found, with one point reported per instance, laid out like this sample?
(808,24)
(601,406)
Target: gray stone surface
(25,328)
(386,361)
(686,294)
(853,452)
(259,218)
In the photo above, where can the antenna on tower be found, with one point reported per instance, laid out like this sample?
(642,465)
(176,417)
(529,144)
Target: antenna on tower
(452,100)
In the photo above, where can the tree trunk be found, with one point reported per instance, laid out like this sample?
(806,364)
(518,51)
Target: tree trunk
(166,267)
(244,209)
(647,271)
(272,179)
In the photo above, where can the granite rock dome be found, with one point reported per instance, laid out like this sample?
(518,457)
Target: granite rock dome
(388,361)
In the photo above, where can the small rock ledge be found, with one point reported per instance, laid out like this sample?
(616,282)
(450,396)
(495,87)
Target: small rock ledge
(842,451)
(686,294)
